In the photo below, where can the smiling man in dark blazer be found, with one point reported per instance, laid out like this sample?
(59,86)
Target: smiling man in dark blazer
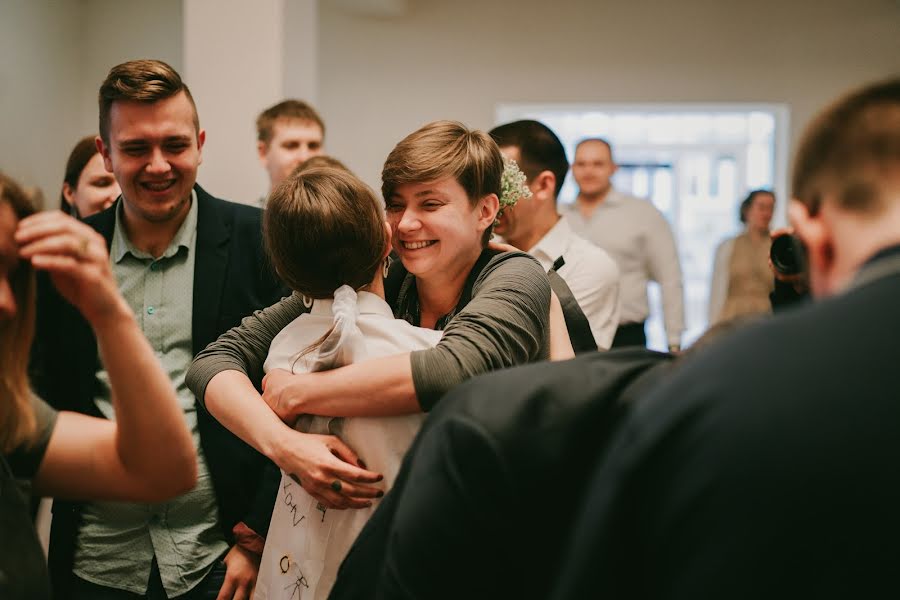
(191,266)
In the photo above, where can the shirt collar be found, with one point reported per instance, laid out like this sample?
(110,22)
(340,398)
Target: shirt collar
(367,304)
(184,237)
(613,196)
(555,242)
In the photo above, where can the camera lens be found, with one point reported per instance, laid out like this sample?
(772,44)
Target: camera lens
(786,254)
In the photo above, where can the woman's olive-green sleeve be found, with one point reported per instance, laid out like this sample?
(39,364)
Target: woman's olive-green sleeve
(506,323)
(245,347)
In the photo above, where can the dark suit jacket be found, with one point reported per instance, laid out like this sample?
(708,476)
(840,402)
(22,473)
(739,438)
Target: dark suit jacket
(485,497)
(767,467)
(232,278)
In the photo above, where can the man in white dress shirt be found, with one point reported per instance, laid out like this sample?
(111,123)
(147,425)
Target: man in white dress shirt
(638,238)
(535,226)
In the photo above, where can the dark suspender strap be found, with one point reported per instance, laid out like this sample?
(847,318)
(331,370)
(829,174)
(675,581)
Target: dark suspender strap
(486,255)
(576,323)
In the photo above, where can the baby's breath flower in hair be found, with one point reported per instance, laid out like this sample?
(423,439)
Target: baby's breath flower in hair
(512,185)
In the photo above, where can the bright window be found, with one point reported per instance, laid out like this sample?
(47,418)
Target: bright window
(694,162)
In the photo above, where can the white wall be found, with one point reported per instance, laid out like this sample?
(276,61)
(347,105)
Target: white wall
(39,77)
(55,55)
(381,78)
(116,31)
(234,69)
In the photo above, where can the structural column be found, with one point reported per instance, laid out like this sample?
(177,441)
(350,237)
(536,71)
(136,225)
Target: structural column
(240,57)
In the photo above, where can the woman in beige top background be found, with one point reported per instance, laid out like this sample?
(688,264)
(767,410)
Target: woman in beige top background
(742,279)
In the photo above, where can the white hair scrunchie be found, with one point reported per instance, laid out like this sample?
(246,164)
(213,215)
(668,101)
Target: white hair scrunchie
(333,351)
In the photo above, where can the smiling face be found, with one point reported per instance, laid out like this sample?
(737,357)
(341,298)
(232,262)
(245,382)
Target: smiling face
(95,190)
(292,143)
(154,151)
(435,228)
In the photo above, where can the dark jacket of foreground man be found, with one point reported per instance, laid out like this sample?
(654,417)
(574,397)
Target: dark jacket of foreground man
(486,497)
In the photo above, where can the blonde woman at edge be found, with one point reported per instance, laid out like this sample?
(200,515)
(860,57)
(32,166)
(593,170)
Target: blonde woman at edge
(145,455)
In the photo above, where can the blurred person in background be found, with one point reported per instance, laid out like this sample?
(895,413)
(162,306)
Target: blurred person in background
(742,278)
(636,235)
(287,134)
(87,186)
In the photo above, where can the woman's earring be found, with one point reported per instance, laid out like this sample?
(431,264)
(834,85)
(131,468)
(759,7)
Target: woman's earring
(386,267)
(307,301)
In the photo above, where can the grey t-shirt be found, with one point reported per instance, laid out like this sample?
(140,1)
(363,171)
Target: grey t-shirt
(23,571)
(25,460)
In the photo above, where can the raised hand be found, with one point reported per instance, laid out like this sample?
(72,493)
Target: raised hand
(76,258)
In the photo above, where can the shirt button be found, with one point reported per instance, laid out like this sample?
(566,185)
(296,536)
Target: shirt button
(150,310)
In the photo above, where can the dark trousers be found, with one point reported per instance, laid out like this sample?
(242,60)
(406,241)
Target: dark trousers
(630,334)
(207,589)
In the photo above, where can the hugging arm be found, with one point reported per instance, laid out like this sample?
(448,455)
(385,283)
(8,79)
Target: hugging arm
(504,324)
(222,377)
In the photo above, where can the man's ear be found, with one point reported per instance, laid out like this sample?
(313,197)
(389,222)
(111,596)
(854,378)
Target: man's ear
(103,149)
(817,239)
(201,139)
(544,185)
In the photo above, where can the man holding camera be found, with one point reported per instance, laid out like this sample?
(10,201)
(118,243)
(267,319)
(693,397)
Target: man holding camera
(766,467)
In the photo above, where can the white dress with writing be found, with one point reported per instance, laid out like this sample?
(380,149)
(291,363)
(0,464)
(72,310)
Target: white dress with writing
(306,543)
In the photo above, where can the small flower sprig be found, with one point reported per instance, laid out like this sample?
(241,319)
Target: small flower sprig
(512,185)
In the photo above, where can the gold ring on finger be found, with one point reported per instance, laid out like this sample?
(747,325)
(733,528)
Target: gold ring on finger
(83,248)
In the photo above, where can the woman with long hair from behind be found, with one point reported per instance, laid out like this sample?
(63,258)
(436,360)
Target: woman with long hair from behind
(146,454)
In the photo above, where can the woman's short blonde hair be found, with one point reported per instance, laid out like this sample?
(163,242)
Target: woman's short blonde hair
(445,149)
(17,420)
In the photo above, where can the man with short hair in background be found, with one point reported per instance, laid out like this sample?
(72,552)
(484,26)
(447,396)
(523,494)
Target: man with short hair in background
(534,225)
(190,266)
(287,134)
(636,236)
